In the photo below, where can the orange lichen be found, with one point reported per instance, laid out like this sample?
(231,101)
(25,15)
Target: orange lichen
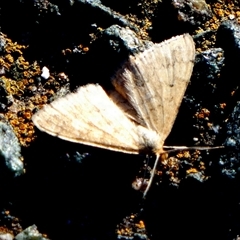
(21,86)
(192,170)
(131,225)
(140,224)
(184,154)
(204,113)
(222,10)
(223,105)
(13,227)
(196,166)
(9,58)
(5,230)
(86,49)
(202,166)
(66,51)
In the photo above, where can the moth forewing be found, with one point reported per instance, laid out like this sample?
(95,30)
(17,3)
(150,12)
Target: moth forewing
(154,81)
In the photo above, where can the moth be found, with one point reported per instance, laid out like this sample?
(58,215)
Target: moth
(139,114)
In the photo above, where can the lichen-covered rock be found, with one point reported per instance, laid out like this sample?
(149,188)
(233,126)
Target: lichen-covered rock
(229,162)
(10,150)
(209,63)
(192,11)
(120,36)
(30,233)
(6,236)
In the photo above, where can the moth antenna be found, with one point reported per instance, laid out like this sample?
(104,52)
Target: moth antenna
(152,175)
(176,148)
(190,148)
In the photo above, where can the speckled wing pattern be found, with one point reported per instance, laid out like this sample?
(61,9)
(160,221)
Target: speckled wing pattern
(139,116)
(154,82)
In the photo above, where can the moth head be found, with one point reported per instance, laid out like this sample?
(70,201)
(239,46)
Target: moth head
(150,141)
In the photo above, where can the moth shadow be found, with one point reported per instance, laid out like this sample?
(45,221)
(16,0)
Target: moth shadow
(83,191)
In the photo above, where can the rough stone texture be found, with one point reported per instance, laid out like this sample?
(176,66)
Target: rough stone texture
(76,192)
(10,149)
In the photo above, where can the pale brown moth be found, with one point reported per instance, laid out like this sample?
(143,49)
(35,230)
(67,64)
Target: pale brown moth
(135,118)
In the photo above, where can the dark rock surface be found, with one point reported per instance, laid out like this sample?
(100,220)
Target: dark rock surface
(72,191)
